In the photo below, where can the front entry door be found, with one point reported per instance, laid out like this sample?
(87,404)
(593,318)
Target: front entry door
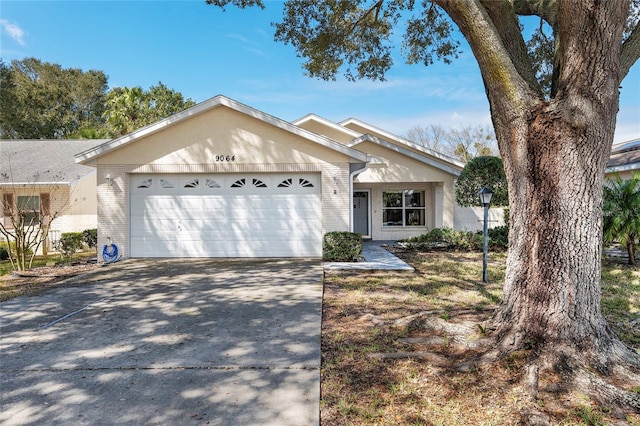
(361,212)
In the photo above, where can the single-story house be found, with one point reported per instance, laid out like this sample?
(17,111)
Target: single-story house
(222,179)
(624,160)
(42,176)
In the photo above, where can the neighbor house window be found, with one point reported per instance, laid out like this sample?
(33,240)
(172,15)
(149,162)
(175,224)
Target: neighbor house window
(403,208)
(29,208)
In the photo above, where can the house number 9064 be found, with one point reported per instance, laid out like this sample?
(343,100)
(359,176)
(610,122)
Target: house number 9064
(220,158)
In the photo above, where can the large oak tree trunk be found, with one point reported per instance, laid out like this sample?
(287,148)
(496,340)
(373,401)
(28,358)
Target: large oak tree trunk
(552,287)
(555,152)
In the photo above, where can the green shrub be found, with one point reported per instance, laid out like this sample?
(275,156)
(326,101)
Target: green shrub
(498,237)
(70,242)
(342,246)
(446,239)
(90,237)
(4,253)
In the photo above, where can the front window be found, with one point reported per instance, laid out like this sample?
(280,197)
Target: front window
(403,208)
(29,209)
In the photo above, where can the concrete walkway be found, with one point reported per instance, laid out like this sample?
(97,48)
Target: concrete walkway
(376,258)
(167,342)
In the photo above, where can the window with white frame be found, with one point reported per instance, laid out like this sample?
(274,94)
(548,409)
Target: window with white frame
(403,208)
(29,208)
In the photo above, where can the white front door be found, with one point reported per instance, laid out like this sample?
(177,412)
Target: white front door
(230,215)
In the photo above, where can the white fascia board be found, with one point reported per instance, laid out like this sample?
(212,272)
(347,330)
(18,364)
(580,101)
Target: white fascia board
(328,123)
(400,150)
(23,184)
(401,140)
(220,100)
(623,168)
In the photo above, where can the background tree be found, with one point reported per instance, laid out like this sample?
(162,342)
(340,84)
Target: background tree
(41,100)
(462,143)
(622,213)
(554,141)
(478,173)
(129,109)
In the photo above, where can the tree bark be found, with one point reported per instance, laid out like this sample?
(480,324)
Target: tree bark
(555,153)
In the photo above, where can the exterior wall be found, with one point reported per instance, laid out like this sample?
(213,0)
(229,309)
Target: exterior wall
(201,145)
(74,206)
(472,218)
(402,172)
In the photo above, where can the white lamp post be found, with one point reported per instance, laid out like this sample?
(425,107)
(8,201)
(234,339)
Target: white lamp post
(485,199)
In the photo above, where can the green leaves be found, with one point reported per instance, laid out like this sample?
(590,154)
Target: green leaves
(41,100)
(130,108)
(621,210)
(478,173)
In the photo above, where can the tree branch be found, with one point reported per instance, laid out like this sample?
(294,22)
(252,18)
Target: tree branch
(506,24)
(506,88)
(630,52)
(546,9)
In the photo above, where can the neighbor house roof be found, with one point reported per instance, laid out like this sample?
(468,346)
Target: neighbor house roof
(218,101)
(625,156)
(43,161)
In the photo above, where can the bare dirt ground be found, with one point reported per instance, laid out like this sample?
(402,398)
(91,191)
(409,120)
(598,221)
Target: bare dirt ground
(38,279)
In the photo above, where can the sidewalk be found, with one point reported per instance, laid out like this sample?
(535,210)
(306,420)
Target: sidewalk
(376,258)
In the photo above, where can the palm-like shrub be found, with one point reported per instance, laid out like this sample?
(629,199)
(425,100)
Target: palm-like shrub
(622,213)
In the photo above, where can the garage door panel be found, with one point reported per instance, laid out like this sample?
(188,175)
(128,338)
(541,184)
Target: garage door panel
(244,221)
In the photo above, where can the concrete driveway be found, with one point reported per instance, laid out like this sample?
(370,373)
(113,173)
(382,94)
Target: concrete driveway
(168,342)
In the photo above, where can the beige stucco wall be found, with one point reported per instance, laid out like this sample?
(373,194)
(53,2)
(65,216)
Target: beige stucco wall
(201,145)
(402,172)
(472,218)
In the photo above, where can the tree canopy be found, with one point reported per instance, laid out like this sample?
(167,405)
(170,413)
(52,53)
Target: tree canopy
(129,109)
(40,100)
(480,172)
(462,143)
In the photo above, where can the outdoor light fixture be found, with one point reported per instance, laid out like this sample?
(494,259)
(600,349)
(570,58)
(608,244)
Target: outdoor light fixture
(485,199)
(109,180)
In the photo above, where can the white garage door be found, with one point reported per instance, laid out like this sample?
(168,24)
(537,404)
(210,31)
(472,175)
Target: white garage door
(226,215)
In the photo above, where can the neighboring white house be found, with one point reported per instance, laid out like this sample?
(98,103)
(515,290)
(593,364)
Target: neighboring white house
(42,175)
(222,179)
(625,159)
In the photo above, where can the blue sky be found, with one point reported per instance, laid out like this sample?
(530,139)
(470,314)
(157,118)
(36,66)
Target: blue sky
(201,51)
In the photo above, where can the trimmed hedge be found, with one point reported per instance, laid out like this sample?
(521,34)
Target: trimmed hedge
(342,246)
(90,237)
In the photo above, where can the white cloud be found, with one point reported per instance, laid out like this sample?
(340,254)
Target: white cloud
(13,30)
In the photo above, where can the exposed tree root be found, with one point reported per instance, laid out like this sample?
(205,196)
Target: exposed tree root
(609,376)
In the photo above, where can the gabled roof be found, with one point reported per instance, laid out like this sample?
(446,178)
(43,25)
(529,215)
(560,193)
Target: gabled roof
(26,162)
(440,165)
(625,156)
(388,136)
(328,123)
(218,101)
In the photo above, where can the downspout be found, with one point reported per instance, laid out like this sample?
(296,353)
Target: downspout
(355,169)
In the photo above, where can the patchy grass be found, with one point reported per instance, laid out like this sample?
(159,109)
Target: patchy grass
(363,385)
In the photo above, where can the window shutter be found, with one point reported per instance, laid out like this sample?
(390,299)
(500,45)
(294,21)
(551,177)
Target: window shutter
(7,209)
(45,208)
